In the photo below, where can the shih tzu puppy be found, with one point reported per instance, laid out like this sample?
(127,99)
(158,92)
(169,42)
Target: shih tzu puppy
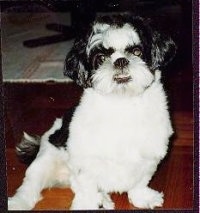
(119,132)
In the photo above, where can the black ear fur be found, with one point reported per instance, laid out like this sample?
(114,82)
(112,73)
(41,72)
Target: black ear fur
(163,50)
(159,49)
(76,65)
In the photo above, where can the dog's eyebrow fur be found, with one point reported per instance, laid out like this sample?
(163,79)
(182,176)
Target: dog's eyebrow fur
(100,48)
(106,51)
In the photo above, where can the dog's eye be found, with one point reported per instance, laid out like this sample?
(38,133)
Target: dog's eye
(98,60)
(137,51)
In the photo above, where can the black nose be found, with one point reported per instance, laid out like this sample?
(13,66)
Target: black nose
(121,63)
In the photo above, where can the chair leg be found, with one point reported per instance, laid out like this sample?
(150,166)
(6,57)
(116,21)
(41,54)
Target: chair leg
(48,40)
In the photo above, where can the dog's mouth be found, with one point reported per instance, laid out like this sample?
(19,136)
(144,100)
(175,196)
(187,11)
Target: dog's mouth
(122,78)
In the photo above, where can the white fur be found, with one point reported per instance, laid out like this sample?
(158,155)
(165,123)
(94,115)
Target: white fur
(142,77)
(28,137)
(116,143)
(117,54)
(120,37)
(96,36)
(111,36)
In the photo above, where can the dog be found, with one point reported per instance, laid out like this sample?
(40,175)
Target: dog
(120,130)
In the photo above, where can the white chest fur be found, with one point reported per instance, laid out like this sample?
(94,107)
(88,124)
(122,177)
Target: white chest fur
(121,132)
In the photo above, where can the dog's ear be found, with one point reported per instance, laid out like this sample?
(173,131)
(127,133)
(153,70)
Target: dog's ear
(76,65)
(163,50)
(160,49)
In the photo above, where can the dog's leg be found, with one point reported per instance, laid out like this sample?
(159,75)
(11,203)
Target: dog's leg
(107,202)
(38,176)
(144,197)
(87,196)
(48,169)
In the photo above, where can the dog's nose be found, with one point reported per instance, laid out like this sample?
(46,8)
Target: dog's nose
(121,63)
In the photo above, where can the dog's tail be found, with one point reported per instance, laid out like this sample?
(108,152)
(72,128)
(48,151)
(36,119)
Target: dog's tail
(28,148)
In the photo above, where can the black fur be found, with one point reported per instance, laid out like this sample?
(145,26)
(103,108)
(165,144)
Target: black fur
(27,149)
(116,20)
(59,137)
(163,50)
(94,63)
(76,62)
(158,50)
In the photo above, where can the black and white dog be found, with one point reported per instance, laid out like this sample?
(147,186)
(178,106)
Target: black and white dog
(119,132)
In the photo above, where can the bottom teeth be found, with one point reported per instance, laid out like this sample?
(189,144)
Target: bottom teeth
(122,78)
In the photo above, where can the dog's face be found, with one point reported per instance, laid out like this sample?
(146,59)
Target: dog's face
(118,54)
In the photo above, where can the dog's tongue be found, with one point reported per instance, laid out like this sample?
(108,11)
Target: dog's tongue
(121,78)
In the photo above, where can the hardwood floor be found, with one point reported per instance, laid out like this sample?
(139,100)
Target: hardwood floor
(33,109)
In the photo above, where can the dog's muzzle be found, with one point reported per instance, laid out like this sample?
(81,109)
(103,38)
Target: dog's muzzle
(121,76)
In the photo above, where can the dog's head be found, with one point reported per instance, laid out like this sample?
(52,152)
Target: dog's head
(118,53)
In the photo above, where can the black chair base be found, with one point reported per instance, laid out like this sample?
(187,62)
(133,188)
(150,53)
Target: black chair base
(67,33)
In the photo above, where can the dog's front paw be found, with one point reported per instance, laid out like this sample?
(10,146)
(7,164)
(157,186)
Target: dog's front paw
(15,203)
(146,198)
(107,203)
(86,201)
(83,206)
